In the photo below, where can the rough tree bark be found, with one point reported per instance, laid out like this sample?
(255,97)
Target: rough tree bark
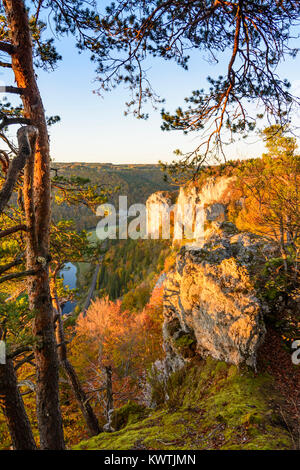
(13,407)
(37,209)
(80,395)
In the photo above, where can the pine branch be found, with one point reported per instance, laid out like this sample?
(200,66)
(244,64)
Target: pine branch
(5,65)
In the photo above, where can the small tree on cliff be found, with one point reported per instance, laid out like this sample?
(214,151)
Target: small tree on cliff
(110,339)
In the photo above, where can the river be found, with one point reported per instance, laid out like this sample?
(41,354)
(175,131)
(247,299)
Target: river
(69,275)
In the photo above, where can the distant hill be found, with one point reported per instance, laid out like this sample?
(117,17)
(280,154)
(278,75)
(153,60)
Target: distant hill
(135,181)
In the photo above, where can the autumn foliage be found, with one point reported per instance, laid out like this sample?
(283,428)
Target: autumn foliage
(128,342)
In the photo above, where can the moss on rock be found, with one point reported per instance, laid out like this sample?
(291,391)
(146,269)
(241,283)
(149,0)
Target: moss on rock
(185,344)
(128,414)
(212,405)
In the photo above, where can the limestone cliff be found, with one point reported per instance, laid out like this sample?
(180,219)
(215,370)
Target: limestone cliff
(213,196)
(210,303)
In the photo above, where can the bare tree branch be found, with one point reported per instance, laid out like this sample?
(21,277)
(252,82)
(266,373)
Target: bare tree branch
(10,277)
(18,163)
(13,89)
(24,361)
(7,47)
(11,230)
(18,351)
(5,65)
(14,263)
(18,120)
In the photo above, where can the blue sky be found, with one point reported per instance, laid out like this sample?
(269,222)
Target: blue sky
(94,129)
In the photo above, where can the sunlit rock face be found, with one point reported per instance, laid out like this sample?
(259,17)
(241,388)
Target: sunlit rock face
(210,304)
(158,210)
(181,208)
(214,196)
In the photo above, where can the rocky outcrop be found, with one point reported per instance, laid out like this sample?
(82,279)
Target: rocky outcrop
(210,304)
(158,210)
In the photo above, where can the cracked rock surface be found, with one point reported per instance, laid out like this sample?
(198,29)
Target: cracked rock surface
(210,304)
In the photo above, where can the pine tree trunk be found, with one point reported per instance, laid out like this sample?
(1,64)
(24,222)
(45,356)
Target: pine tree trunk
(80,395)
(37,209)
(14,410)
